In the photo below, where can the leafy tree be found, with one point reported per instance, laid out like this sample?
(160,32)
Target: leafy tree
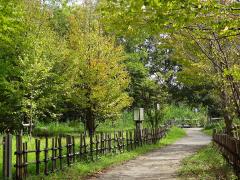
(209,26)
(212,60)
(11,28)
(145,87)
(96,77)
(27,90)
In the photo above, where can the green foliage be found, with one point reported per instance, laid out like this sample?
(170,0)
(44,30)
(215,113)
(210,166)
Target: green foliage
(181,112)
(11,25)
(96,78)
(124,122)
(56,128)
(11,28)
(207,163)
(58,64)
(207,33)
(33,80)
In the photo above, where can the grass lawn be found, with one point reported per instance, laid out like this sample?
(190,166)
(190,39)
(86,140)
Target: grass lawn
(125,122)
(82,169)
(207,163)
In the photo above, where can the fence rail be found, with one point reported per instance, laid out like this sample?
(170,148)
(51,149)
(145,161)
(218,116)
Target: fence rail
(230,149)
(51,154)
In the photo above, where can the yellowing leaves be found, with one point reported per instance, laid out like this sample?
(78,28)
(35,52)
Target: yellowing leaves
(98,77)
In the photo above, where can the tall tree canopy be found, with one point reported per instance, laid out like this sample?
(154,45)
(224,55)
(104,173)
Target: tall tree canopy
(203,36)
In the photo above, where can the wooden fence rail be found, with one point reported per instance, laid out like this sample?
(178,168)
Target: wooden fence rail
(51,154)
(230,149)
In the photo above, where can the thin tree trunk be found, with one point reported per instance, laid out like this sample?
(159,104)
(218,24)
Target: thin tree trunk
(226,114)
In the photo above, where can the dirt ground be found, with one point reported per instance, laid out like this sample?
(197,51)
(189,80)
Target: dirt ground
(159,164)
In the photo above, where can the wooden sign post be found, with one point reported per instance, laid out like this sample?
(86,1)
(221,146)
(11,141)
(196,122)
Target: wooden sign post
(138,118)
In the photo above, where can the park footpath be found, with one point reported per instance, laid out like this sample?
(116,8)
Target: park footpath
(162,163)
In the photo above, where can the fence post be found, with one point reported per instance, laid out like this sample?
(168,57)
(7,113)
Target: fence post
(127,140)
(97,148)
(60,152)
(110,143)
(123,141)
(37,146)
(115,142)
(101,140)
(91,146)
(53,154)
(73,149)
(7,156)
(46,157)
(81,147)
(131,141)
(25,159)
(19,172)
(105,143)
(85,146)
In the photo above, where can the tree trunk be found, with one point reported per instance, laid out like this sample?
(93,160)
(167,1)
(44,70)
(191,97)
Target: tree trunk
(226,114)
(228,122)
(90,122)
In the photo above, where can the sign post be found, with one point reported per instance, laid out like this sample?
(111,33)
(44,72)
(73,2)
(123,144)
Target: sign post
(138,118)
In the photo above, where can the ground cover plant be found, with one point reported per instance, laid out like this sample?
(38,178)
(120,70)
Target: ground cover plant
(209,128)
(207,163)
(124,122)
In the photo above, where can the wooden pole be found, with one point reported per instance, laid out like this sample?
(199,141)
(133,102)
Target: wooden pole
(7,156)
(60,152)
(25,161)
(19,157)
(46,157)
(81,147)
(73,149)
(68,150)
(37,145)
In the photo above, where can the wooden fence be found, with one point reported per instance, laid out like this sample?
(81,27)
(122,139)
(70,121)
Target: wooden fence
(51,154)
(230,149)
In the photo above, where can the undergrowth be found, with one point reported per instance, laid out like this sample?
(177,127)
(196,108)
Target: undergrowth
(207,163)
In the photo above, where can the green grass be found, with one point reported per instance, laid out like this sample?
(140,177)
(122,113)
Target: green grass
(208,129)
(207,163)
(82,169)
(55,128)
(124,122)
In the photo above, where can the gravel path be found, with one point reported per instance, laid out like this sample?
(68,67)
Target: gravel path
(159,164)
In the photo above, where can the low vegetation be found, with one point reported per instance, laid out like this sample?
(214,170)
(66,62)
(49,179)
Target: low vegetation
(207,163)
(124,122)
(186,114)
(208,129)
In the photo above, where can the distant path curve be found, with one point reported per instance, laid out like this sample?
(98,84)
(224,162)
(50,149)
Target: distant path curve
(162,163)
